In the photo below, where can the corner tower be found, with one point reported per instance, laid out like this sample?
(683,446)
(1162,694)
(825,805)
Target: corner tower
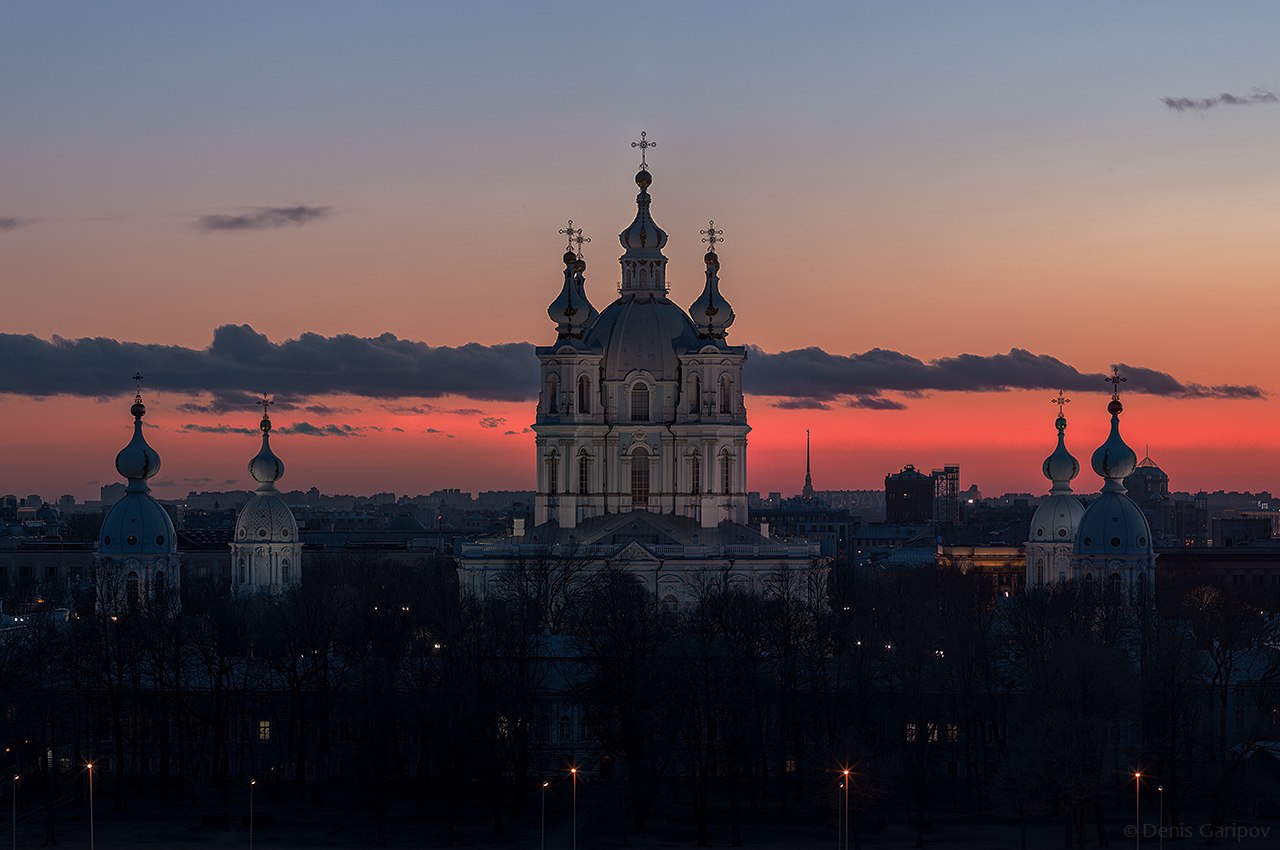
(1057,518)
(1113,544)
(136,561)
(266,555)
(641,405)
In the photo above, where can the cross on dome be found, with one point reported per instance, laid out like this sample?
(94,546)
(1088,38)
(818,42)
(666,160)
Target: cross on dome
(712,236)
(1115,381)
(137,383)
(264,403)
(575,237)
(644,144)
(1060,401)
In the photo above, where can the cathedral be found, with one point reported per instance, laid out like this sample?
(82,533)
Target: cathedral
(641,430)
(1110,540)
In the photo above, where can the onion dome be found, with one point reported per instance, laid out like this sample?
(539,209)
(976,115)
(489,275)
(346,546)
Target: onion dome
(568,311)
(580,288)
(137,525)
(266,468)
(711,313)
(1114,460)
(1058,516)
(138,461)
(1061,467)
(643,239)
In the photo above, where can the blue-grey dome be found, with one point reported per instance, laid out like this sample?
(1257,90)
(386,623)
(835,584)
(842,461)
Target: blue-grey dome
(266,519)
(1056,519)
(1113,526)
(645,332)
(137,525)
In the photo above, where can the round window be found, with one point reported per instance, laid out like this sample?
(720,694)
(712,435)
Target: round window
(1142,541)
(131,539)
(1088,541)
(1062,532)
(262,532)
(1115,541)
(284,561)
(159,539)
(1039,532)
(243,532)
(106,541)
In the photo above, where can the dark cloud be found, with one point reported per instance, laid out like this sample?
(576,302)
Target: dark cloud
(1202,104)
(305,429)
(397,429)
(240,362)
(262,218)
(509,433)
(492,422)
(801,404)
(814,374)
(8,223)
(197,428)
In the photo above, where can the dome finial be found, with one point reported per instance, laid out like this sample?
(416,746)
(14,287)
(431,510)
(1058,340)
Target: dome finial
(711,313)
(266,468)
(1061,467)
(643,263)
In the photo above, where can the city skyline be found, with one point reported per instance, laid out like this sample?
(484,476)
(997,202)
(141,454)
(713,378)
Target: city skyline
(883,184)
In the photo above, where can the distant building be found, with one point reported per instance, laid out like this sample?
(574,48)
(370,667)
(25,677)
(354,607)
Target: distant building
(266,553)
(908,496)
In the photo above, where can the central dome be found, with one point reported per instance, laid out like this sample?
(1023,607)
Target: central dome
(642,333)
(266,519)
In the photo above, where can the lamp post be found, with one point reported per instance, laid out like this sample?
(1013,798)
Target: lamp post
(16,777)
(252,783)
(543,830)
(573,771)
(847,779)
(1160,823)
(1137,808)
(89,766)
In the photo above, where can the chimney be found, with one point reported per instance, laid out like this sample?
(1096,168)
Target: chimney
(764,529)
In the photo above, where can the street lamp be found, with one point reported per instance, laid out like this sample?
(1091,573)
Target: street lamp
(573,771)
(839,824)
(544,815)
(847,780)
(1160,824)
(16,777)
(1137,808)
(89,765)
(252,783)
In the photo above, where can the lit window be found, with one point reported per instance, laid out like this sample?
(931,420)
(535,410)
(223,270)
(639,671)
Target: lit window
(932,729)
(953,733)
(911,733)
(789,766)
(264,730)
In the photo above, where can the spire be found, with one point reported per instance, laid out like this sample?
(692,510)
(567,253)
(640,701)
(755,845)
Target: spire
(1114,460)
(643,263)
(711,313)
(138,461)
(807,492)
(266,468)
(1060,467)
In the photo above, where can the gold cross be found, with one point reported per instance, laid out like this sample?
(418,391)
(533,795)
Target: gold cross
(137,383)
(264,403)
(1115,381)
(575,237)
(644,144)
(711,235)
(1060,401)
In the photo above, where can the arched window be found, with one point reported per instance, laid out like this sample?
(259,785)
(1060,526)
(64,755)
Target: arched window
(669,602)
(160,584)
(1114,583)
(284,570)
(1142,585)
(584,475)
(695,394)
(726,395)
(640,403)
(553,473)
(584,394)
(553,394)
(695,474)
(1039,573)
(639,478)
(132,589)
(726,473)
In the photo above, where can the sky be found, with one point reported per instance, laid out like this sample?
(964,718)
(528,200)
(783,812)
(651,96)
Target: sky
(354,207)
